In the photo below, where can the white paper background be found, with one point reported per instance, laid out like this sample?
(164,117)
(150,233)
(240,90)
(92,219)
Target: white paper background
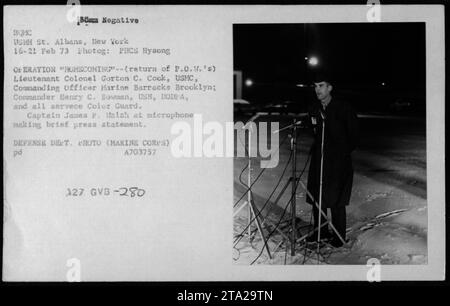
(183,230)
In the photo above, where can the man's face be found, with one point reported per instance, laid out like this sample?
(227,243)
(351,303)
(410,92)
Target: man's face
(323,90)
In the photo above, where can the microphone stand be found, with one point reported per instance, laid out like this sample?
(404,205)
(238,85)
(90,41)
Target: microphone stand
(319,205)
(321,182)
(252,210)
(294,187)
(293,180)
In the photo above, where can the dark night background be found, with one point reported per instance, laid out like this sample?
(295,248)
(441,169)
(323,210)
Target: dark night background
(379,68)
(358,57)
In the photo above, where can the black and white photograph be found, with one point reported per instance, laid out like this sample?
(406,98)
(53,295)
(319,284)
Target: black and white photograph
(223,143)
(350,100)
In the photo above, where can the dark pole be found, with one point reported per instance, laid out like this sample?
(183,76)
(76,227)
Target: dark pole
(294,186)
(294,161)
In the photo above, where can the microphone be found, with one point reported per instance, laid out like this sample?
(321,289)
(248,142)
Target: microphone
(287,127)
(251,120)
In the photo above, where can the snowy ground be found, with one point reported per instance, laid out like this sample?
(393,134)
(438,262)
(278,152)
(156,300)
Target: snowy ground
(387,216)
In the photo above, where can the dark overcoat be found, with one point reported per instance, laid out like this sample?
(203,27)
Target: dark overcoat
(340,139)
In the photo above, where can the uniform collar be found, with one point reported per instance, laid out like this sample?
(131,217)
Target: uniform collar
(328,105)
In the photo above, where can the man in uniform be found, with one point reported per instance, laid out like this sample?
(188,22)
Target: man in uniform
(339,140)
